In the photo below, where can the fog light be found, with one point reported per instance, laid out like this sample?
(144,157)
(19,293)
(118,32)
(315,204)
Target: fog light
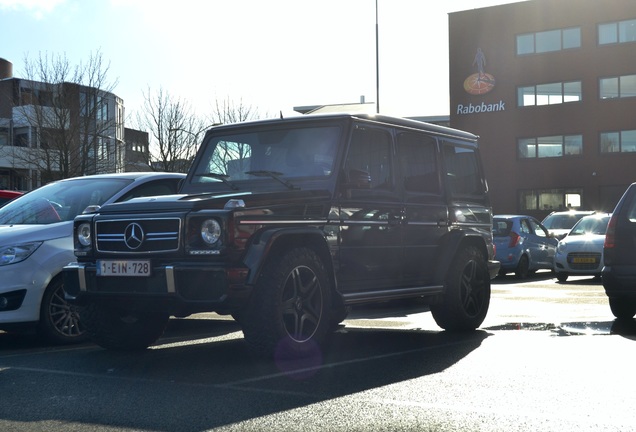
(4,302)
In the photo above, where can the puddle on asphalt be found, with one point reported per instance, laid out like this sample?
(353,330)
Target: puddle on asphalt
(623,328)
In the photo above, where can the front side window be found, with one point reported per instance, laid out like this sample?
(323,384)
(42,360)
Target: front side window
(369,155)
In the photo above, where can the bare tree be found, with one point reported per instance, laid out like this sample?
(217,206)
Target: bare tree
(68,117)
(175,131)
(226,111)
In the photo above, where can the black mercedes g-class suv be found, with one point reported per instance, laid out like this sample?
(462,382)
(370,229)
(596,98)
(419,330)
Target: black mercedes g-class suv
(285,224)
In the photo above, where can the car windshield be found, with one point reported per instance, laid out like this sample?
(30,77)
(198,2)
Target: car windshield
(591,225)
(561,221)
(59,201)
(501,227)
(269,155)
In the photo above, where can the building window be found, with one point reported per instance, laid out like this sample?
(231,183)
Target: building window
(550,199)
(549,94)
(617,32)
(618,142)
(617,87)
(4,137)
(21,137)
(550,146)
(549,41)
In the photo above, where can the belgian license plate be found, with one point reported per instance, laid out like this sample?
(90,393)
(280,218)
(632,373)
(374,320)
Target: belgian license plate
(123,268)
(581,260)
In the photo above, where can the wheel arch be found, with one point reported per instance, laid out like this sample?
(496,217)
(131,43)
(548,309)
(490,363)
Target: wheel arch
(271,242)
(453,243)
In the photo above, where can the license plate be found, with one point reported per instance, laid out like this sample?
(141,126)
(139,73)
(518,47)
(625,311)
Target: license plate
(123,268)
(580,260)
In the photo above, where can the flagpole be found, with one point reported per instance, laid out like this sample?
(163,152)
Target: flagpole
(377,62)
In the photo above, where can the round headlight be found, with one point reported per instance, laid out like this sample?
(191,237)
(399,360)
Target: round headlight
(210,231)
(84,234)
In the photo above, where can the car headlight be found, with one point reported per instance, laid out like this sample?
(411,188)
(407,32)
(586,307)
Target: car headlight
(84,234)
(210,231)
(17,253)
(561,247)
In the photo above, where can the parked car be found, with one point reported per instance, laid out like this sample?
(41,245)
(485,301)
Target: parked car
(559,223)
(619,257)
(286,223)
(523,245)
(580,252)
(8,195)
(36,243)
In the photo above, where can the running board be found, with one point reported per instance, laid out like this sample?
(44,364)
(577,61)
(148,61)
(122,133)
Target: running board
(392,294)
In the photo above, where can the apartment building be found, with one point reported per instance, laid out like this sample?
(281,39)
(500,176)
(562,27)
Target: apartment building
(56,130)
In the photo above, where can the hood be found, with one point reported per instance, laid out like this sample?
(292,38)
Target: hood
(27,233)
(589,239)
(215,201)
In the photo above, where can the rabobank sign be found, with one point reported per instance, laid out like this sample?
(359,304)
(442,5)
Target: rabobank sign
(481,108)
(478,84)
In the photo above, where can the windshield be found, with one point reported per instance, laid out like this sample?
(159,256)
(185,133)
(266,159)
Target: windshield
(591,225)
(60,201)
(271,154)
(561,221)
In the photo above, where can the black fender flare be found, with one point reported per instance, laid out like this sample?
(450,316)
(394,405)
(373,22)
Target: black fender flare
(271,240)
(450,244)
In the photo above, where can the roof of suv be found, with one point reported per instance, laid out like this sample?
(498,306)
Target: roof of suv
(380,118)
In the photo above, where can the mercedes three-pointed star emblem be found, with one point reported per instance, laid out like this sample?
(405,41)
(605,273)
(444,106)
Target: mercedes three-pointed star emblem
(134,236)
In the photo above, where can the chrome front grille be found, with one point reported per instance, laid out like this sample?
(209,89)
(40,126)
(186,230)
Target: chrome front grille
(138,235)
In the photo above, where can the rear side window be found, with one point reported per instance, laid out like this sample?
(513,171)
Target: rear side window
(501,228)
(462,171)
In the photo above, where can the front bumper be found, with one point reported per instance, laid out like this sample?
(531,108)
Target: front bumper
(185,288)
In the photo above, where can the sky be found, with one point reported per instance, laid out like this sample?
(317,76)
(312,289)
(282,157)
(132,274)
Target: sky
(272,55)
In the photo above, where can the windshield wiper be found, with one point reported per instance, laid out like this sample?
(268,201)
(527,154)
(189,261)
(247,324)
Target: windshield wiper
(222,177)
(273,174)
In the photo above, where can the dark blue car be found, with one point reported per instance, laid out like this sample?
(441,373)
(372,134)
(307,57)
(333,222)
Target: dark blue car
(522,244)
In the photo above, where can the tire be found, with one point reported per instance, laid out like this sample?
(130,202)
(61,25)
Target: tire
(119,329)
(562,277)
(289,313)
(623,308)
(59,321)
(522,268)
(467,297)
